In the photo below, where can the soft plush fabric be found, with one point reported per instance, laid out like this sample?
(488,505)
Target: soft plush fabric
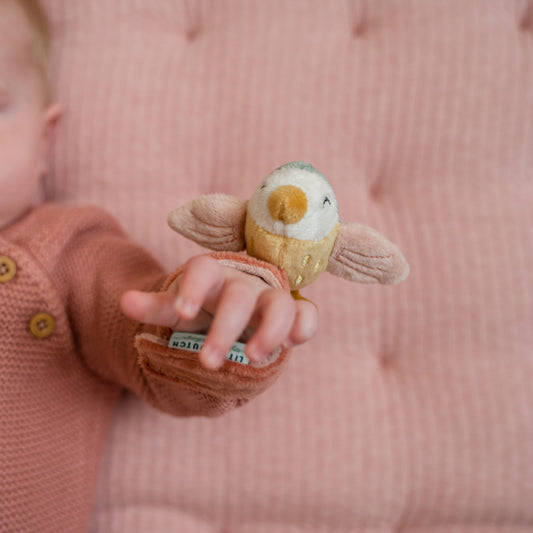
(67,351)
(292,221)
(412,409)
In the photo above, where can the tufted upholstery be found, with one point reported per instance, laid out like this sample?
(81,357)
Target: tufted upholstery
(412,410)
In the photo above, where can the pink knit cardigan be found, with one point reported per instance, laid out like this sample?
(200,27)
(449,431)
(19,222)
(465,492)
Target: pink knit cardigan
(67,351)
(412,409)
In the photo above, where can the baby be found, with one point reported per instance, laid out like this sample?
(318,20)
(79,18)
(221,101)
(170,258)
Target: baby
(66,349)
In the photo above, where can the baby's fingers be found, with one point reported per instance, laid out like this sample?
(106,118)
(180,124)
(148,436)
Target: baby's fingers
(202,275)
(149,307)
(277,312)
(234,308)
(305,323)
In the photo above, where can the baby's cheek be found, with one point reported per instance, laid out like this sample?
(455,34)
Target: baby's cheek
(19,178)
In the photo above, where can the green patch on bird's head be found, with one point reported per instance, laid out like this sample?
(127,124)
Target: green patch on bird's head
(302,165)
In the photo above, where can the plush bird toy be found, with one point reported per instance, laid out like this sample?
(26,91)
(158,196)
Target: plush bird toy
(292,221)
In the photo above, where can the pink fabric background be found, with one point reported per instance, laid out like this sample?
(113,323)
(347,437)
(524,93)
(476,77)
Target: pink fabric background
(412,409)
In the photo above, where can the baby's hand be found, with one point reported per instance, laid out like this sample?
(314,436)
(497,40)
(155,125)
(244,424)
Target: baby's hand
(209,296)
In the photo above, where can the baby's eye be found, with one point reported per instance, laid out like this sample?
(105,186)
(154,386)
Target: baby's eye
(326,201)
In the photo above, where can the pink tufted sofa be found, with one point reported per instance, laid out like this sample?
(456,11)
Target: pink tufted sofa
(412,410)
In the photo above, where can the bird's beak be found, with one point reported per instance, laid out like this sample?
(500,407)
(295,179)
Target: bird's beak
(288,204)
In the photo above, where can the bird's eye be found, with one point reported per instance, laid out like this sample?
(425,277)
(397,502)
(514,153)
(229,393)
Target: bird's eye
(263,186)
(326,201)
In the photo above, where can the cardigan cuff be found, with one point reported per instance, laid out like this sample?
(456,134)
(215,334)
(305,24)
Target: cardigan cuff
(175,380)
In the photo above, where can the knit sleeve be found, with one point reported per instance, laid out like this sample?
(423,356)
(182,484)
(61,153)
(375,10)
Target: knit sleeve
(175,380)
(100,263)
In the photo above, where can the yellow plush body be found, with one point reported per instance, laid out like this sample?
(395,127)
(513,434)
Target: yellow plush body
(302,260)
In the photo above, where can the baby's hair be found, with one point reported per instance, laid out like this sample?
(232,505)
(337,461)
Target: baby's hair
(40,38)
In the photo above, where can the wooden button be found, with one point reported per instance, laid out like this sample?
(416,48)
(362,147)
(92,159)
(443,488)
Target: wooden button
(8,269)
(42,325)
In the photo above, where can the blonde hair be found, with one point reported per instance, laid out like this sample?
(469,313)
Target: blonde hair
(40,45)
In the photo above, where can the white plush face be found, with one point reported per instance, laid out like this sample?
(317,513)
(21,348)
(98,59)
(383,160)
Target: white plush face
(322,213)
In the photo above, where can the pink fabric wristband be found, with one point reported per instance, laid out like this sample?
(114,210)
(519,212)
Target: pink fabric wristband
(179,384)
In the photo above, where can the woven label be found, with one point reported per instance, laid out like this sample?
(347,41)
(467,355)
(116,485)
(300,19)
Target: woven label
(193,342)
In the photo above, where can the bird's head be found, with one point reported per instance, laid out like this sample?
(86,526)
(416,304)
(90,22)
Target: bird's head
(296,201)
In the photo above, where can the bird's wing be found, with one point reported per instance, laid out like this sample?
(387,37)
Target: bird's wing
(362,254)
(215,221)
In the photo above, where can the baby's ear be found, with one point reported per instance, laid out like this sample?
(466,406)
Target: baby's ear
(51,115)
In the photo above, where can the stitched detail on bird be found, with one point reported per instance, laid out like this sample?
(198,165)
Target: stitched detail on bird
(303,261)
